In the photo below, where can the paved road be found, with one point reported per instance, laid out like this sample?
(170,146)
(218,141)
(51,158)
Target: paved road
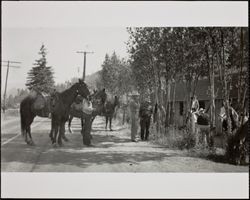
(111,152)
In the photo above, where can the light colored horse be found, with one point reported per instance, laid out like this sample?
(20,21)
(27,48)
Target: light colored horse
(199,130)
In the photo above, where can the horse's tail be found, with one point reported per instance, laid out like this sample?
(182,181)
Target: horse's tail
(22,118)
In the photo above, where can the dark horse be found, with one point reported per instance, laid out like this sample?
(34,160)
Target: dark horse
(59,112)
(31,106)
(108,111)
(98,99)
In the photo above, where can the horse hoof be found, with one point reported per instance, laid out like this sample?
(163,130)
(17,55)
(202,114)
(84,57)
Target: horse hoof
(65,139)
(32,143)
(54,145)
(60,144)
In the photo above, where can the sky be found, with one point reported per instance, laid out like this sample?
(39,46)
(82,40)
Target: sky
(69,26)
(23,44)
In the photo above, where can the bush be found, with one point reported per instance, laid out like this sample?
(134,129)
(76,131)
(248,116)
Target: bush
(175,138)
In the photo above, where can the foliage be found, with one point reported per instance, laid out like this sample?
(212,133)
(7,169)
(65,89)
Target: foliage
(13,100)
(162,56)
(116,75)
(176,139)
(40,77)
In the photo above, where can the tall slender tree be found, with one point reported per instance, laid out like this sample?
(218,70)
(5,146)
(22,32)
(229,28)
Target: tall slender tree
(40,77)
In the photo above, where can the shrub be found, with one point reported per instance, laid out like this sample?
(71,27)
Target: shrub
(175,138)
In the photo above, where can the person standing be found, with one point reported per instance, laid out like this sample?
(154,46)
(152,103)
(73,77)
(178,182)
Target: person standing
(145,112)
(195,104)
(134,115)
(234,117)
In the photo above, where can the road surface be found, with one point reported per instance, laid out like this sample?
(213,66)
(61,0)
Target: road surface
(111,152)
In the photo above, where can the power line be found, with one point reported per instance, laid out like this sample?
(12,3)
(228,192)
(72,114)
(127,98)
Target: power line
(6,81)
(11,61)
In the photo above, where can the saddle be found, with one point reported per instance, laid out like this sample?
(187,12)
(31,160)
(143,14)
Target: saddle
(77,106)
(44,102)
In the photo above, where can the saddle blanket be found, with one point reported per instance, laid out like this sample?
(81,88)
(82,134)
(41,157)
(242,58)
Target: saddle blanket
(41,101)
(80,107)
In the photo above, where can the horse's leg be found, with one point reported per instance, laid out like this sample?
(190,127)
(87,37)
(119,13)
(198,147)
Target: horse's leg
(58,137)
(69,123)
(110,123)
(106,122)
(24,131)
(147,125)
(31,142)
(142,124)
(63,136)
(82,124)
(26,137)
(93,118)
(51,131)
(55,135)
(28,131)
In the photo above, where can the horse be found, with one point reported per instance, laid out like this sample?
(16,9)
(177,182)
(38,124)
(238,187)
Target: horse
(60,103)
(61,110)
(98,99)
(107,111)
(200,126)
(35,104)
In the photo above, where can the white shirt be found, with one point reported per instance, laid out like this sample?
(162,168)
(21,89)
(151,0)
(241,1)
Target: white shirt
(87,106)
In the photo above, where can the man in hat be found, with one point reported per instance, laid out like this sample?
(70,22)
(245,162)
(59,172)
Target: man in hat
(134,114)
(145,112)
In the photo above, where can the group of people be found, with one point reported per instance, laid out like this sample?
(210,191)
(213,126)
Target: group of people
(234,117)
(140,114)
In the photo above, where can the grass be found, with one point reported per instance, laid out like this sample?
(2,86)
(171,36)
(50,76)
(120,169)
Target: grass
(174,138)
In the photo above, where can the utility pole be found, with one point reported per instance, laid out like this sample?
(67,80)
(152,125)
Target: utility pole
(84,62)
(6,80)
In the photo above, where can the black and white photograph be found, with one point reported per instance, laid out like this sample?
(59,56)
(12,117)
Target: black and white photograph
(99,88)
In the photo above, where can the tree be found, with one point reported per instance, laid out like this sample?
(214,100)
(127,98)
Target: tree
(40,77)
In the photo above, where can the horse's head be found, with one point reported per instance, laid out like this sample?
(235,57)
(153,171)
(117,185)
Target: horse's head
(82,88)
(99,97)
(54,99)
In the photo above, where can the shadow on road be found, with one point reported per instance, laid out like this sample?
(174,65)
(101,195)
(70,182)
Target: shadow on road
(77,155)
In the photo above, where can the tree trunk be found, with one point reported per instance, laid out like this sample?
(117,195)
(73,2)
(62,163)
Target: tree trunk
(173,104)
(242,110)
(226,89)
(241,66)
(212,99)
(168,104)
(211,81)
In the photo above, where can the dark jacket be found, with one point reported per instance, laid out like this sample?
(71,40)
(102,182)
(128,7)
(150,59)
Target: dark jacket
(146,109)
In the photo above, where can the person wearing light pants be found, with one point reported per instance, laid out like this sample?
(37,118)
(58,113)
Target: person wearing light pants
(134,115)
